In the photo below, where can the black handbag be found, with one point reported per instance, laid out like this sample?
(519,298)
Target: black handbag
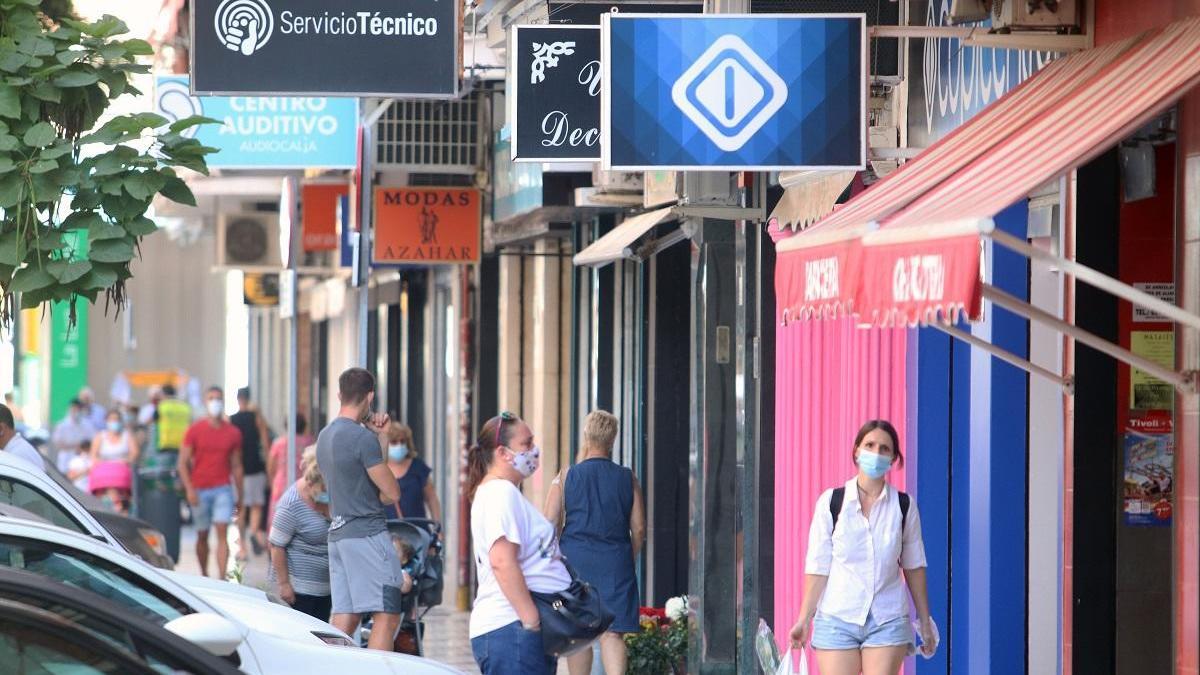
(571,618)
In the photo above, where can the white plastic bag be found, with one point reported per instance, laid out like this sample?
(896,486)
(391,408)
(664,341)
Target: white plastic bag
(793,665)
(926,650)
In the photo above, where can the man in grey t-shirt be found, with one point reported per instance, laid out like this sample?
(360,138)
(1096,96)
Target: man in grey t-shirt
(365,574)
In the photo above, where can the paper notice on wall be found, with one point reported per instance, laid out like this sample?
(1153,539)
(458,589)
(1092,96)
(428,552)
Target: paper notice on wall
(1149,472)
(1147,392)
(1162,291)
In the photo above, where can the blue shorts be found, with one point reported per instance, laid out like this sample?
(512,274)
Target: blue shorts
(216,506)
(512,650)
(832,633)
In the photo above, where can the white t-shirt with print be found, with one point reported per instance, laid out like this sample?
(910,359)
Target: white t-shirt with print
(501,511)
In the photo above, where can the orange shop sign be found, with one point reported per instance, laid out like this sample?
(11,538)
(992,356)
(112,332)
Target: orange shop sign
(426,225)
(318,215)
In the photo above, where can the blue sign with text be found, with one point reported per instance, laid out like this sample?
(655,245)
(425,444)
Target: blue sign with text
(266,132)
(734,92)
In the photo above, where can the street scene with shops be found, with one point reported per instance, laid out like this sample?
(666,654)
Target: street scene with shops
(599,337)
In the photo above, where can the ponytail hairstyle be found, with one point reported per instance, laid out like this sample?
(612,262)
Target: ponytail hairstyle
(495,433)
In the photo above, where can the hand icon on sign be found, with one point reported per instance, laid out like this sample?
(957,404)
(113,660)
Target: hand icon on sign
(242,36)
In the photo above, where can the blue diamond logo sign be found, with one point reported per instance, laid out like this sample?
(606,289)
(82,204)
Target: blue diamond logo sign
(729,93)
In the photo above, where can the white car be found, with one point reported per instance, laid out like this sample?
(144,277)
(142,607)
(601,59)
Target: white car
(276,639)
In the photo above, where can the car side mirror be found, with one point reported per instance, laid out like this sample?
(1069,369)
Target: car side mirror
(214,633)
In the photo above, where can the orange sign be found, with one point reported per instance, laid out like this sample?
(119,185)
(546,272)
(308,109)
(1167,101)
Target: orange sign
(318,215)
(426,225)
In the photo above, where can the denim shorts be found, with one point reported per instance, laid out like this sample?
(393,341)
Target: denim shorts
(512,650)
(216,506)
(832,633)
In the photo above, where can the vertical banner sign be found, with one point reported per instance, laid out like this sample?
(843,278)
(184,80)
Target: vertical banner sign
(68,344)
(734,92)
(554,108)
(1149,471)
(319,214)
(264,132)
(348,48)
(426,225)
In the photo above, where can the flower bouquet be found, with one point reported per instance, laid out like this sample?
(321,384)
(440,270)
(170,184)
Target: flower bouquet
(661,645)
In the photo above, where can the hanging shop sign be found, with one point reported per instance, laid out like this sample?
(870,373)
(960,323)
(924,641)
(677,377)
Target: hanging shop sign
(555,104)
(1149,471)
(258,132)
(734,92)
(426,225)
(260,289)
(1147,392)
(319,215)
(351,48)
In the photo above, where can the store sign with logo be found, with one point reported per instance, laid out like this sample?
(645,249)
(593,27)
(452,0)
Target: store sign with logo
(319,215)
(350,48)
(734,92)
(426,225)
(554,108)
(259,132)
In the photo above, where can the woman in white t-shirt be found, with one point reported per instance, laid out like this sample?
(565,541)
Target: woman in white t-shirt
(516,551)
(852,582)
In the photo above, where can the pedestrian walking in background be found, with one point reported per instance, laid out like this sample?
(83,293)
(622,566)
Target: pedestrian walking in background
(598,506)
(14,443)
(79,465)
(418,498)
(172,419)
(277,460)
(250,422)
(365,575)
(93,412)
(855,609)
(210,468)
(299,542)
(114,454)
(516,551)
(71,432)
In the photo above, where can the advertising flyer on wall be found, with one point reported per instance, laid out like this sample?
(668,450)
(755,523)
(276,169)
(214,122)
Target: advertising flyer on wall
(1146,391)
(1149,471)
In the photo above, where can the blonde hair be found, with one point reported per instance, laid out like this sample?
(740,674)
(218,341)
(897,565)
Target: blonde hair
(309,470)
(600,430)
(399,432)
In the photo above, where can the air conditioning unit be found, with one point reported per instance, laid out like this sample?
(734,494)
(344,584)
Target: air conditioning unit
(967,11)
(1056,15)
(249,241)
(616,181)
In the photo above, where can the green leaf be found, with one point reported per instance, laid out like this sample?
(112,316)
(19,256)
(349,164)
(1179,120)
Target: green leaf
(124,207)
(112,52)
(68,271)
(144,184)
(10,102)
(111,251)
(138,48)
(45,188)
(68,56)
(12,253)
(116,81)
(85,199)
(12,60)
(105,231)
(177,191)
(141,226)
(189,122)
(45,91)
(43,166)
(35,45)
(8,143)
(63,147)
(40,135)
(6,164)
(12,189)
(78,76)
(82,220)
(30,279)
(98,278)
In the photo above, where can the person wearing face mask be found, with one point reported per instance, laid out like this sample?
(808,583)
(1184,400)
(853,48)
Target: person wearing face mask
(365,574)
(855,611)
(516,551)
(414,477)
(299,541)
(114,453)
(210,468)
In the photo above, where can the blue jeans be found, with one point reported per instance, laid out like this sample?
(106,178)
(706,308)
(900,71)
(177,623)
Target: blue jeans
(512,650)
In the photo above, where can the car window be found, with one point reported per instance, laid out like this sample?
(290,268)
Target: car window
(81,570)
(26,650)
(18,494)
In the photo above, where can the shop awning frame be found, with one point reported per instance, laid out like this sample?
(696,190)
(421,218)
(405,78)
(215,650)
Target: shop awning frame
(619,243)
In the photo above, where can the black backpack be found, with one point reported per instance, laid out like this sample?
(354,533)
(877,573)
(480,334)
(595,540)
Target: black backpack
(839,494)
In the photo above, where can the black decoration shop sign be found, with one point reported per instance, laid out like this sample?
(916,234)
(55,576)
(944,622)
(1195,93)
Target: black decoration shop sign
(554,105)
(400,48)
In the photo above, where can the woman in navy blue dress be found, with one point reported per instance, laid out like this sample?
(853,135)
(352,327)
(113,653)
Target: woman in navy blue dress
(598,504)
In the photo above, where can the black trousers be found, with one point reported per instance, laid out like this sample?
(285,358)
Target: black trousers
(317,606)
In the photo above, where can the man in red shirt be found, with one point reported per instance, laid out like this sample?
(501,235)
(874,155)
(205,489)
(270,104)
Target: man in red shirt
(210,468)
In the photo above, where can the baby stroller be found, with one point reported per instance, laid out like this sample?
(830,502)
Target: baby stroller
(426,568)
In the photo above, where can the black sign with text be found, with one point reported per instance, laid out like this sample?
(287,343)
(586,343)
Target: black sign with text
(555,106)
(352,48)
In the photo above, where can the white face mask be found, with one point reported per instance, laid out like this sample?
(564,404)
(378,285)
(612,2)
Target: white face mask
(526,463)
(216,407)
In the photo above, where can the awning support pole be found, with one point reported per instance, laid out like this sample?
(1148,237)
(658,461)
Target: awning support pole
(1067,382)
(1183,382)
(1097,279)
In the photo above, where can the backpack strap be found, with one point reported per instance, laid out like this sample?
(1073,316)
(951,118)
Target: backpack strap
(835,505)
(903,510)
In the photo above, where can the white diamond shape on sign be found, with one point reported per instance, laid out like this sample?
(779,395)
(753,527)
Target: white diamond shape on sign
(730,92)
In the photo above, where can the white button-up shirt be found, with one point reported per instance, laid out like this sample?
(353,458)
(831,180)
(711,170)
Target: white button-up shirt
(863,556)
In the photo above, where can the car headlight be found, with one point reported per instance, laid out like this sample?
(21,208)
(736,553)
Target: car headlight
(156,540)
(335,640)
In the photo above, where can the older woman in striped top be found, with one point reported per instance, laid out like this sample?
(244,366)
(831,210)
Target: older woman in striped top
(299,541)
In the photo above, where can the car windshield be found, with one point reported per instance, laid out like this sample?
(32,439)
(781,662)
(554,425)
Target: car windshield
(91,573)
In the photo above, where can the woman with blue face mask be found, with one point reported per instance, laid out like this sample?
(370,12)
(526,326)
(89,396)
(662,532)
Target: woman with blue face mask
(418,498)
(114,454)
(299,541)
(855,612)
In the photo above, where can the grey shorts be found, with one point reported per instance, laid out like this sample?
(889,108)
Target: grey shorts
(365,575)
(254,489)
